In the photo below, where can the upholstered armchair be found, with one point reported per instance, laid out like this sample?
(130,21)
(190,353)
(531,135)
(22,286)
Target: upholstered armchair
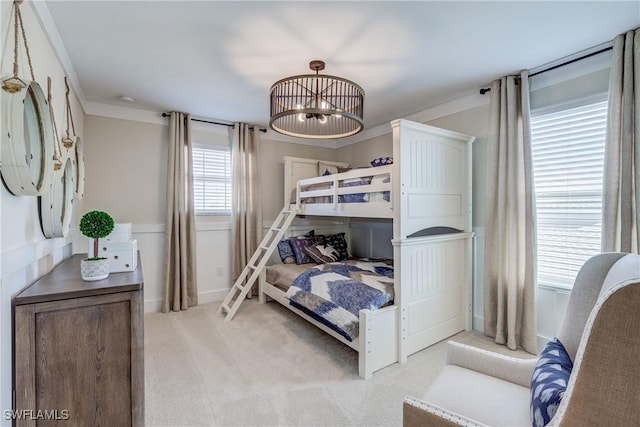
(601,335)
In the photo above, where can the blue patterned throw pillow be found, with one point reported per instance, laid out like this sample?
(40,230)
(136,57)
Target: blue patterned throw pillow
(549,382)
(299,246)
(286,252)
(382,161)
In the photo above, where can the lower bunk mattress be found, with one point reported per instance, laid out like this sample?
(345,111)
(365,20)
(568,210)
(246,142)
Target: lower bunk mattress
(334,293)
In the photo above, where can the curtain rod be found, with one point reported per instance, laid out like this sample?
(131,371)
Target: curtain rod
(562,62)
(217,123)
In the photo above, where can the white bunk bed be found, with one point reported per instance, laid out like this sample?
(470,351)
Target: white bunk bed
(430,186)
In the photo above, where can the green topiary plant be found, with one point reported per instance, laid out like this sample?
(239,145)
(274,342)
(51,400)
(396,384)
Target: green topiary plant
(96,225)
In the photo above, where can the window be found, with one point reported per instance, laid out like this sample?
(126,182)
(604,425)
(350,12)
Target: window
(568,162)
(212,180)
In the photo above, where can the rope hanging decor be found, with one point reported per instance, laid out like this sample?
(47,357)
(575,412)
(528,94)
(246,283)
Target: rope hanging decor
(68,139)
(15,84)
(57,151)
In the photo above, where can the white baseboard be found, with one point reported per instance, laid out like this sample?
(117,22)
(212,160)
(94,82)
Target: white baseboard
(155,305)
(212,296)
(478,323)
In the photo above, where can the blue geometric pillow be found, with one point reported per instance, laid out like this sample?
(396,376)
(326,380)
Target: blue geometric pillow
(299,245)
(549,382)
(382,161)
(286,252)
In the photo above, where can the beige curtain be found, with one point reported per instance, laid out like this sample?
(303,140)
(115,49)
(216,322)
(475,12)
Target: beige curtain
(510,255)
(620,210)
(246,209)
(180,287)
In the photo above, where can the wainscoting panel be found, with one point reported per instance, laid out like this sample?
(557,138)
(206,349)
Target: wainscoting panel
(213,249)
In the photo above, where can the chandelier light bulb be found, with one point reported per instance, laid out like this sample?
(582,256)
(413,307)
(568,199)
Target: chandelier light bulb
(301,117)
(322,118)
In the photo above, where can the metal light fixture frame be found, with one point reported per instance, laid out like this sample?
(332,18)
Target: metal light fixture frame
(316,106)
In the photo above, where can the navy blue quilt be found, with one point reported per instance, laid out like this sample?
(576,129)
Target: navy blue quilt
(334,293)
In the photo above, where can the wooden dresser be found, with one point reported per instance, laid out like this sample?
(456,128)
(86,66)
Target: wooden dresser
(78,349)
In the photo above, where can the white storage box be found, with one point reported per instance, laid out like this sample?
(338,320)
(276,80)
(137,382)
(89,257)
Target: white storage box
(120,233)
(122,256)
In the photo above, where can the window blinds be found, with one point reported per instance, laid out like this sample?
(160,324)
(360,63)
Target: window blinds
(212,180)
(568,161)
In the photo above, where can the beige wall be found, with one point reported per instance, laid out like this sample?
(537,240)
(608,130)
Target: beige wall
(126,168)
(361,153)
(126,165)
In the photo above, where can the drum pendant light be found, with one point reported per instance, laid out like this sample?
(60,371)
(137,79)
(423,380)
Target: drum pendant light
(316,106)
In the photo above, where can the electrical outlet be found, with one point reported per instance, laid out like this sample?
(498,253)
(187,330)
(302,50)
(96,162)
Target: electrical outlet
(219,271)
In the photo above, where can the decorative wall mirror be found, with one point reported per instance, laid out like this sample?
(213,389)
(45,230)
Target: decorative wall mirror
(56,204)
(27,138)
(27,132)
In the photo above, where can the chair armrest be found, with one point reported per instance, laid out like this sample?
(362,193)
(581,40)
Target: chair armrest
(419,413)
(512,369)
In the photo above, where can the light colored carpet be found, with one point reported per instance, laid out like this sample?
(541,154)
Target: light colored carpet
(268,367)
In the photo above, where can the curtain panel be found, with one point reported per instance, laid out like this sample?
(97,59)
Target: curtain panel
(510,253)
(621,192)
(246,203)
(180,287)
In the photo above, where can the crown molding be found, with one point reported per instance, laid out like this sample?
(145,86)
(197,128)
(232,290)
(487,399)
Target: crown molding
(275,136)
(448,108)
(124,113)
(154,117)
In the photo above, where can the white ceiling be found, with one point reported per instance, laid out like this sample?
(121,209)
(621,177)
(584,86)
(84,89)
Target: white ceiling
(218,59)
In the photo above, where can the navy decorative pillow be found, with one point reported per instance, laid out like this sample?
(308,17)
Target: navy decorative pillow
(338,242)
(322,254)
(549,382)
(357,197)
(299,245)
(382,161)
(286,252)
(353,198)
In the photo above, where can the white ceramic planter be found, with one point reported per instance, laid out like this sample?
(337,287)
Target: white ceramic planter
(94,269)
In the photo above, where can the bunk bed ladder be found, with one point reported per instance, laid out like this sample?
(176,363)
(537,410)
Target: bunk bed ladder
(251,272)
